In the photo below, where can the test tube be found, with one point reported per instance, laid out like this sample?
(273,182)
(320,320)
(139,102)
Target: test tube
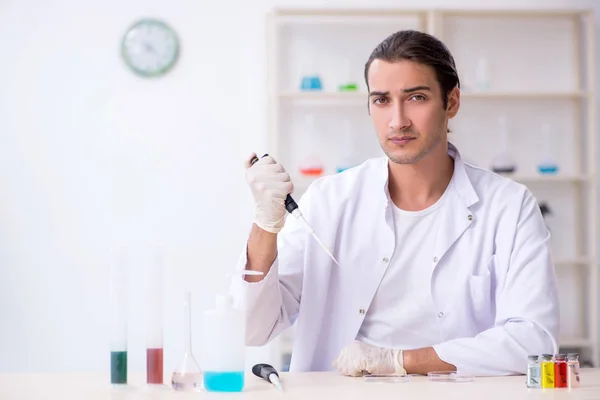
(154,310)
(118,319)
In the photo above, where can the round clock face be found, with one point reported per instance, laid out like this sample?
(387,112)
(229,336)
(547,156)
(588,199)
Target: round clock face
(150,48)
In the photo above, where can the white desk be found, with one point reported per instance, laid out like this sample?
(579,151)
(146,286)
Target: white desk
(311,386)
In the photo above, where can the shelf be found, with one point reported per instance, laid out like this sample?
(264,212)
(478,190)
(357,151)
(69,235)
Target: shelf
(301,183)
(524,95)
(498,13)
(325,98)
(525,179)
(575,342)
(346,16)
(360,97)
(572,261)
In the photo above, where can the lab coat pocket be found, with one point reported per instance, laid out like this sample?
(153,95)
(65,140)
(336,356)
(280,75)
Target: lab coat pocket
(481,298)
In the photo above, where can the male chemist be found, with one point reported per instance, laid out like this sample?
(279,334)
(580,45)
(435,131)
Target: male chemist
(443,266)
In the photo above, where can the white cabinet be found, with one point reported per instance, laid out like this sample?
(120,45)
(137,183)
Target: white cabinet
(534,69)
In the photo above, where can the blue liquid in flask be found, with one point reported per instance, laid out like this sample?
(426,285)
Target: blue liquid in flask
(224,381)
(311,82)
(548,168)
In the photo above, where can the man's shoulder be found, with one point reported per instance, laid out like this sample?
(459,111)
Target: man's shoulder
(488,184)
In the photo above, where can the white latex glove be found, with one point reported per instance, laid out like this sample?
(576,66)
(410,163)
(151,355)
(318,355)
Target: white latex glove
(270,184)
(358,358)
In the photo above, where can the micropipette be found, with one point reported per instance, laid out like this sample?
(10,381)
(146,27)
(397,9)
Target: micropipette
(292,207)
(268,373)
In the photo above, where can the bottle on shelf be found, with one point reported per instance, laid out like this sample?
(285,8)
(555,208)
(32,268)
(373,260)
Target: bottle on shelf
(311,80)
(311,164)
(482,75)
(548,164)
(347,84)
(348,158)
(503,162)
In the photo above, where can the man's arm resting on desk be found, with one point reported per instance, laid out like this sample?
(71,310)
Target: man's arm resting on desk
(526,303)
(422,361)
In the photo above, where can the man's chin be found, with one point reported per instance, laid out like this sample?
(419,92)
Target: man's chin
(405,157)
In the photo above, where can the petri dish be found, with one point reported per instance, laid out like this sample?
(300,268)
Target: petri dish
(450,376)
(386,378)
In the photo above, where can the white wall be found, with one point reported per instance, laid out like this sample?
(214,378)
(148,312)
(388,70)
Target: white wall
(92,157)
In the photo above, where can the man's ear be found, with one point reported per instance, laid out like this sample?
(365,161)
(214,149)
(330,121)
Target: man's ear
(453,102)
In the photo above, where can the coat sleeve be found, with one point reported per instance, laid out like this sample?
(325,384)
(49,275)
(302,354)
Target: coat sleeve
(271,305)
(527,306)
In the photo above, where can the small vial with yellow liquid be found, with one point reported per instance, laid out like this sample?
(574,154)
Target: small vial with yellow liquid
(547,371)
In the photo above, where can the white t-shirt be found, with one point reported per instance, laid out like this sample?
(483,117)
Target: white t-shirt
(402,314)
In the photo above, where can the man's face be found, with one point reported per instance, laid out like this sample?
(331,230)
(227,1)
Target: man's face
(405,103)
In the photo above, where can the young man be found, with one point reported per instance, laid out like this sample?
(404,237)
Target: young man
(443,266)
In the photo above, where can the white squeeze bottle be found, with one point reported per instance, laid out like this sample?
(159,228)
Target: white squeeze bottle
(224,344)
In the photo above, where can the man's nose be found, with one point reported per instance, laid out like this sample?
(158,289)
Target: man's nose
(399,119)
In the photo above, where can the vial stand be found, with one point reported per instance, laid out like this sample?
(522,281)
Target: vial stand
(188,377)
(118,307)
(154,304)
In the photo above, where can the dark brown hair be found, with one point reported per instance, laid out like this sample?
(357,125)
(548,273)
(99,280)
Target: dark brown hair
(422,48)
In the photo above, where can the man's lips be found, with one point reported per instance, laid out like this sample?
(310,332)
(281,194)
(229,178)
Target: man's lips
(402,140)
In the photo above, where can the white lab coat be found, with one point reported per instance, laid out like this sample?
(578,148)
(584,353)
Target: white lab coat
(492,278)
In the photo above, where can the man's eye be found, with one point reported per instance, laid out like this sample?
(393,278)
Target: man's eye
(378,100)
(418,97)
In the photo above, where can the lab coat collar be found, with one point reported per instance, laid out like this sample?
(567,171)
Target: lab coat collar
(462,183)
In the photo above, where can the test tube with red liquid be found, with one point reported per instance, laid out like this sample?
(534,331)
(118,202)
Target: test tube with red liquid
(154,304)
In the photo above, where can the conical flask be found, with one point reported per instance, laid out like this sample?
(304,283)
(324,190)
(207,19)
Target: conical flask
(188,376)
(503,162)
(311,164)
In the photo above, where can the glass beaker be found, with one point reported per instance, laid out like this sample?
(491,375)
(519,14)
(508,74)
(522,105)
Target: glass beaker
(188,376)
(503,163)
(347,84)
(311,164)
(310,78)
(547,164)
(348,158)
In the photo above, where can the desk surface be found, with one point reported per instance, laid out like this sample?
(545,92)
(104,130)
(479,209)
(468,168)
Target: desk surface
(312,386)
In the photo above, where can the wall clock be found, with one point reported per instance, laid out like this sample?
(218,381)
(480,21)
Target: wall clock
(150,48)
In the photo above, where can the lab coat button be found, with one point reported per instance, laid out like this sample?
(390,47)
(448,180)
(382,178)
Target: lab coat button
(440,315)
(385,260)
(435,259)
(361,311)
(470,217)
